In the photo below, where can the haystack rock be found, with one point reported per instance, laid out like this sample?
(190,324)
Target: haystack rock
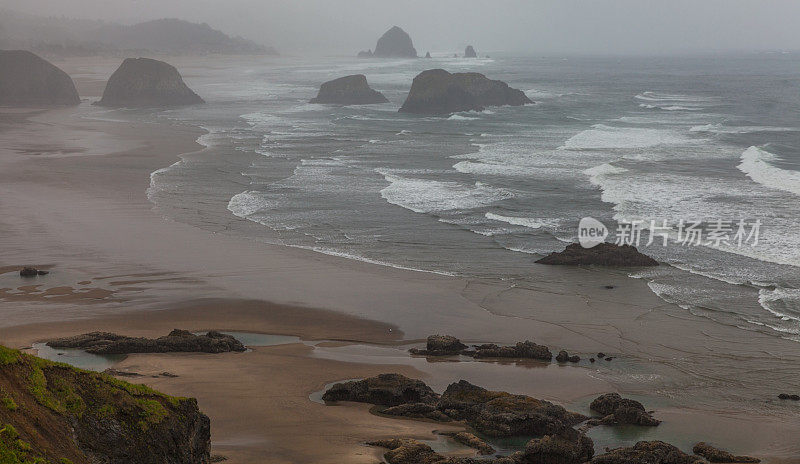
(437,91)
(428,55)
(349,90)
(143,82)
(28,80)
(470,52)
(395,43)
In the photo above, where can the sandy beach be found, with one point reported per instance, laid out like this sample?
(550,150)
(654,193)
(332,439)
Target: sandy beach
(73,200)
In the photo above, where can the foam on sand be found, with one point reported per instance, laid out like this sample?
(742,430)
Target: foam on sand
(531,223)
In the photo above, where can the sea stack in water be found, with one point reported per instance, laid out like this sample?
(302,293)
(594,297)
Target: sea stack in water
(604,254)
(395,43)
(470,52)
(349,90)
(143,82)
(28,80)
(437,91)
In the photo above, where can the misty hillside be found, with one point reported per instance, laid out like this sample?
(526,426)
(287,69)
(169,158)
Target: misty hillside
(64,36)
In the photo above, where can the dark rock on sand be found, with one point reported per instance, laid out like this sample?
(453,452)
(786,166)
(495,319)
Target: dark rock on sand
(70,415)
(618,410)
(604,254)
(408,451)
(384,390)
(571,447)
(143,82)
(501,414)
(717,455)
(365,54)
(470,52)
(437,91)
(786,396)
(395,43)
(441,345)
(31,272)
(29,80)
(526,349)
(563,357)
(468,439)
(176,341)
(349,90)
(649,452)
(417,410)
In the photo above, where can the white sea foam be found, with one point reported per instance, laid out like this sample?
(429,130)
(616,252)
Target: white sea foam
(458,117)
(246,204)
(598,174)
(531,223)
(670,107)
(757,164)
(722,129)
(601,136)
(778,302)
(425,196)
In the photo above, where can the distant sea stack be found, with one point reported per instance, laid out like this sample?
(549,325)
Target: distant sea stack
(349,90)
(437,91)
(143,83)
(428,55)
(28,80)
(395,43)
(365,54)
(470,52)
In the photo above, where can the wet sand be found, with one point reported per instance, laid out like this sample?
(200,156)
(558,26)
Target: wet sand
(72,197)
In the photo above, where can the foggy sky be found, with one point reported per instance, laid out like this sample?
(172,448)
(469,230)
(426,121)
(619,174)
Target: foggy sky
(520,26)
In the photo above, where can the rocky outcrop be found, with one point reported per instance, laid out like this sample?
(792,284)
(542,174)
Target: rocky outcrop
(52,413)
(650,452)
(417,411)
(604,254)
(365,54)
(618,410)
(468,439)
(717,455)
(522,350)
(470,52)
(787,396)
(383,390)
(437,91)
(563,357)
(32,272)
(28,80)
(143,82)
(571,447)
(441,345)
(501,414)
(428,55)
(176,341)
(348,90)
(395,43)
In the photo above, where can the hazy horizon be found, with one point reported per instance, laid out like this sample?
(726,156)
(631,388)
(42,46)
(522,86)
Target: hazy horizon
(517,26)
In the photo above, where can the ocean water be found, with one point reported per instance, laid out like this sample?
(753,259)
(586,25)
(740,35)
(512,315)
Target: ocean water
(487,193)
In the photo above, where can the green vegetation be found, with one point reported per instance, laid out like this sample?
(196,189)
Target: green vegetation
(8,356)
(10,404)
(15,451)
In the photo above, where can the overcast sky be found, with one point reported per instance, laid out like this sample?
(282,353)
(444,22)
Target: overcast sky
(527,26)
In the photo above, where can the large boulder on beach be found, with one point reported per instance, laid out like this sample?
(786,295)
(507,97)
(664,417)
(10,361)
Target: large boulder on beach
(395,43)
(618,410)
(571,447)
(383,390)
(522,350)
(501,414)
(177,341)
(437,91)
(650,452)
(349,90)
(718,455)
(470,52)
(29,80)
(604,254)
(441,345)
(144,82)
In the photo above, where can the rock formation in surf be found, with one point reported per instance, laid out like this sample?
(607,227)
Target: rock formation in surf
(437,91)
(604,254)
(32,272)
(395,43)
(28,80)
(365,54)
(447,345)
(428,55)
(349,90)
(144,82)
(470,52)
(176,341)
(53,413)
(617,410)
(656,452)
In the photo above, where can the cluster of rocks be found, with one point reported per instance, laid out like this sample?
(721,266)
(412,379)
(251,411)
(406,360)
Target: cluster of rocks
(617,410)
(176,341)
(786,396)
(717,455)
(604,254)
(144,82)
(349,90)
(32,272)
(437,91)
(447,345)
